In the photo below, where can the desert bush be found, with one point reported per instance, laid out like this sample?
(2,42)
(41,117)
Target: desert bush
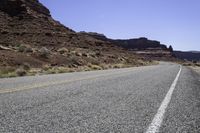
(63,50)
(78,54)
(95,62)
(198,65)
(7,72)
(26,66)
(49,34)
(86,54)
(75,61)
(118,65)
(21,72)
(18,45)
(51,71)
(187,64)
(8,75)
(46,67)
(194,61)
(21,48)
(44,52)
(95,67)
(28,50)
(54,70)
(61,70)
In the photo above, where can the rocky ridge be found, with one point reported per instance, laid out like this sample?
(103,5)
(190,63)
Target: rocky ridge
(140,46)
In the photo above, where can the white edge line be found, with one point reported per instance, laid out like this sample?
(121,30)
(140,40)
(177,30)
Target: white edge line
(158,118)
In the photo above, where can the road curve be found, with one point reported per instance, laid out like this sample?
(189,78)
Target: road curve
(121,100)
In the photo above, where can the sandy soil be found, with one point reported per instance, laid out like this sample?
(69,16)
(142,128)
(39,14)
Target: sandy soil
(197,69)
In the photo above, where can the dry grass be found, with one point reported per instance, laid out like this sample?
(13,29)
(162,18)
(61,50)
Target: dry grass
(25,69)
(8,72)
(193,65)
(95,67)
(55,70)
(195,68)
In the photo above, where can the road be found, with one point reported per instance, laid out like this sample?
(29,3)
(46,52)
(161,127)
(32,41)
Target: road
(162,98)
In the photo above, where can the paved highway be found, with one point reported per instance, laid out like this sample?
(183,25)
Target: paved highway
(162,98)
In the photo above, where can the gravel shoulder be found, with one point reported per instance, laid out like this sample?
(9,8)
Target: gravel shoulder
(196,69)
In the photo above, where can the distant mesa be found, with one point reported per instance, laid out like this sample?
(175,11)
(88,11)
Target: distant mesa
(141,43)
(188,55)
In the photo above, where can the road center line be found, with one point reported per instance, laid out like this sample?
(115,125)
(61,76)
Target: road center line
(158,118)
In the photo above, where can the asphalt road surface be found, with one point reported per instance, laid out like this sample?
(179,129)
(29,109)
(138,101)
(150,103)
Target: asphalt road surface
(162,98)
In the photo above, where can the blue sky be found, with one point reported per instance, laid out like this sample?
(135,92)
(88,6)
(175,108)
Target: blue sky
(173,22)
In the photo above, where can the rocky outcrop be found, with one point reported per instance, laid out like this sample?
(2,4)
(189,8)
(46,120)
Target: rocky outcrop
(131,44)
(25,7)
(28,22)
(140,44)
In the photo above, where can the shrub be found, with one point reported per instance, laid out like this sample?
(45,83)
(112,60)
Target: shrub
(63,50)
(194,61)
(7,70)
(78,54)
(28,50)
(198,64)
(26,66)
(95,67)
(21,48)
(44,52)
(46,67)
(95,62)
(85,54)
(118,65)
(187,64)
(18,45)
(21,72)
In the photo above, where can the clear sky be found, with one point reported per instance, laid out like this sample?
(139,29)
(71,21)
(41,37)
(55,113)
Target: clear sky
(172,22)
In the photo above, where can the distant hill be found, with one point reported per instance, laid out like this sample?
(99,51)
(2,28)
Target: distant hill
(136,43)
(190,55)
(194,51)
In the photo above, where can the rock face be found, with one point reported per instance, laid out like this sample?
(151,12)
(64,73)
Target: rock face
(27,21)
(19,7)
(140,46)
(131,44)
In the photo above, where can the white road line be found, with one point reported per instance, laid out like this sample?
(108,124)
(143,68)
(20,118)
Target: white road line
(158,118)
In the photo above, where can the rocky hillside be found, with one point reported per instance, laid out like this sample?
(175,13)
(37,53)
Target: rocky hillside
(31,39)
